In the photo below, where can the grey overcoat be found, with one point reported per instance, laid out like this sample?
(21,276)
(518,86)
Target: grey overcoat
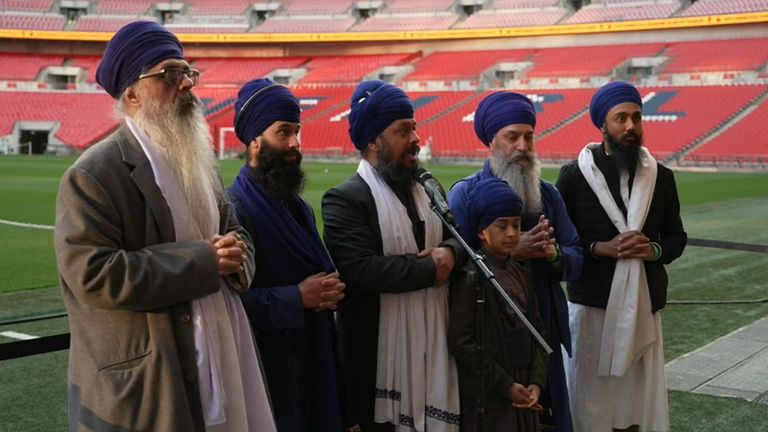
(127,287)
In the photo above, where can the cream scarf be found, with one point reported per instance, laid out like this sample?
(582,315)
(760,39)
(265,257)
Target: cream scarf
(416,380)
(231,386)
(629,328)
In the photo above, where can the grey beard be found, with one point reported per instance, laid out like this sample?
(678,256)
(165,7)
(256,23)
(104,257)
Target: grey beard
(524,180)
(180,133)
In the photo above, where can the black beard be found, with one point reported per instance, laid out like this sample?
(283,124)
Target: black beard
(281,178)
(626,150)
(394,173)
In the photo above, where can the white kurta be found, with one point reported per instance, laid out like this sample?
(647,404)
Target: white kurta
(616,375)
(416,378)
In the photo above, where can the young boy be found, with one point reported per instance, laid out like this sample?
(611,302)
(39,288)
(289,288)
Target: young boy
(514,365)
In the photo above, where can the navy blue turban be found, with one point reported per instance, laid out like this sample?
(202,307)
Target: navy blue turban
(375,105)
(610,95)
(138,45)
(489,200)
(502,109)
(260,103)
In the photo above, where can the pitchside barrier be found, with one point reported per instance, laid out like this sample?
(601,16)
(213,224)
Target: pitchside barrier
(46,344)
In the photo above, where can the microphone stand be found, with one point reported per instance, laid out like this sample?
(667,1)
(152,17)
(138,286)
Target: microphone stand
(488,275)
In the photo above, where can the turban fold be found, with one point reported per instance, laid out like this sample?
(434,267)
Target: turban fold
(610,95)
(136,46)
(375,105)
(260,103)
(502,109)
(489,200)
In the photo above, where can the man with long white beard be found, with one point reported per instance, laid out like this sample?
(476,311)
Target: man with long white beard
(151,260)
(626,209)
(388,246)
(296,286)
(505,122)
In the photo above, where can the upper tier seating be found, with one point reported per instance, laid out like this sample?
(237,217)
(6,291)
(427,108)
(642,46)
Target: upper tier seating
(720,7)
(384,22)
(32,22)
(619,12)
(493,18)
(304,25)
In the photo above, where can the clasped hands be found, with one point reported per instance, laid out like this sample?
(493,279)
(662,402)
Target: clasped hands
(525,397)
(538,242)
(627,245)
(322,291)
(231,253)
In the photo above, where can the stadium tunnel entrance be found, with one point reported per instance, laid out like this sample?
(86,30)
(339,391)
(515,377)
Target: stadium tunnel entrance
(33,141)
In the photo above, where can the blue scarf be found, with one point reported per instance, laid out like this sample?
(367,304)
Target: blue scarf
(289,248)
(287,240)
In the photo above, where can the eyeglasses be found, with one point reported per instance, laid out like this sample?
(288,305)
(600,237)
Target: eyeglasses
(173,75)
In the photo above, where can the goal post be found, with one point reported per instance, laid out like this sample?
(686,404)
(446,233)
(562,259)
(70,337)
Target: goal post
(222,141)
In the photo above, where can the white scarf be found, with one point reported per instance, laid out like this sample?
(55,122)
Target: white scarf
(416,379)
(232,390)
(629,328)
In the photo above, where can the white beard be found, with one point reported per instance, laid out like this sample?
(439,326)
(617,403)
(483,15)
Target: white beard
(522,177)
(182,136)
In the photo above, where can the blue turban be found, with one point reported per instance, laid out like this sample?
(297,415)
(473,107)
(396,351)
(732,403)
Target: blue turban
(610,95)
(260,103)
(375,105)
(489,200)
(502,109)
(136,46)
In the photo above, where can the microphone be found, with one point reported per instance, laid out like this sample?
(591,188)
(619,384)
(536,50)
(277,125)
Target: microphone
(435,193)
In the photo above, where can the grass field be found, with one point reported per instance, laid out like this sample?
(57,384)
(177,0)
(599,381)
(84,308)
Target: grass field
(720,206)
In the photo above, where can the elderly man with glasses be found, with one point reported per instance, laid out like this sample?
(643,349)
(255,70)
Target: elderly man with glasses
(151,260)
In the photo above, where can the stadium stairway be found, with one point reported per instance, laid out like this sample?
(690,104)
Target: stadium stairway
(722,127)
(563,123)
(451,108)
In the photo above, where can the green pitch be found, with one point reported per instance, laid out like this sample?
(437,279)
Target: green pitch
(721,206)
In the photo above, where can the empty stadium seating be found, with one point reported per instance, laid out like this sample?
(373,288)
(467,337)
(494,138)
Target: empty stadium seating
(111,25)
(719,7)
(554,62)
(493,19)
(216,7)
(741,142)
(385,22)
(304,25)
(307,7)
(673,120)
(617,12)
(123,7)
(25,66)
(457,65)
(84,118)
(707,56)
(418,5)
(348,69)
(32,22)
(522,4)
(26,5)
(240,70)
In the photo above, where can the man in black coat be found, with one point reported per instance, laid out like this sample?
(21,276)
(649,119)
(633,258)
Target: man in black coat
(387,246)
(627,212)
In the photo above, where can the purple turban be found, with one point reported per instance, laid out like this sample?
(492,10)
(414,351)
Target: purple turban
(260,103)
(490,199)
(610,95)
(375,105)
(136,46)
(502,109)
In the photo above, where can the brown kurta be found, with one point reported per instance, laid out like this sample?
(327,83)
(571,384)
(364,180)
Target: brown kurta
(515,279)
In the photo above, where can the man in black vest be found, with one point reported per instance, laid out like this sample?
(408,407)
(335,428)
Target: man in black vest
(627,213)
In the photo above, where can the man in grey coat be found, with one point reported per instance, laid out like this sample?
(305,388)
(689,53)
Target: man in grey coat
(151,260)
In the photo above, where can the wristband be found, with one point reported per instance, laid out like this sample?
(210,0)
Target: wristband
(556,257)
(656,251)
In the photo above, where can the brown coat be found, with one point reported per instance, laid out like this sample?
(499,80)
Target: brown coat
(127,287)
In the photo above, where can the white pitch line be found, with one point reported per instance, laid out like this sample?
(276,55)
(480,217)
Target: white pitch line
(17,335)
(25,225)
